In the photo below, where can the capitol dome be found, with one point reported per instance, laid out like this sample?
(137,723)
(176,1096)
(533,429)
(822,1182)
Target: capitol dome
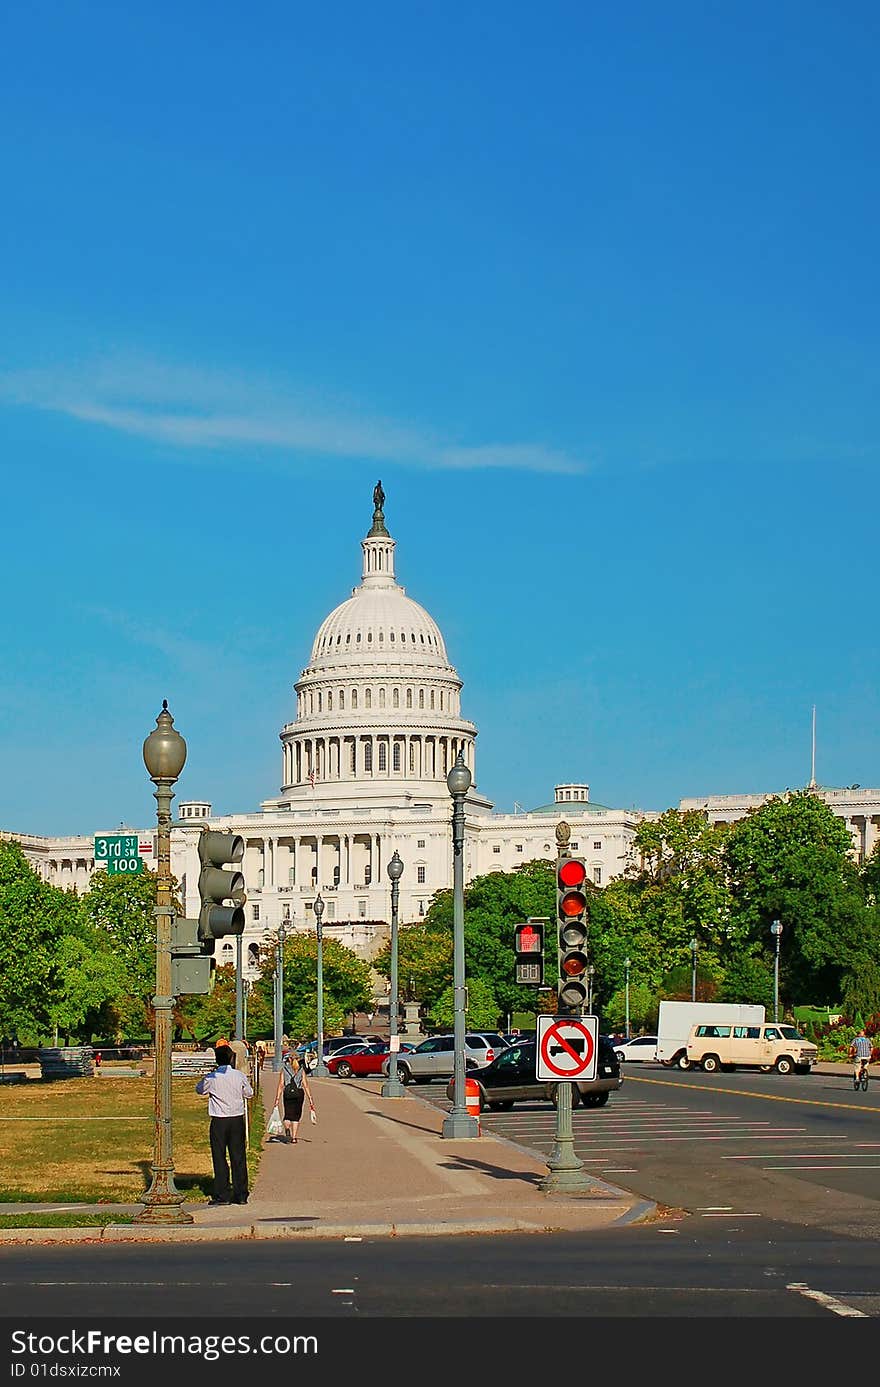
(378,700)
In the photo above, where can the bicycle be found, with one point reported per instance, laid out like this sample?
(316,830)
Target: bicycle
(860,1077)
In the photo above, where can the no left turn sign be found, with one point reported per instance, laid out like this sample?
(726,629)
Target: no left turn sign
(567,1047)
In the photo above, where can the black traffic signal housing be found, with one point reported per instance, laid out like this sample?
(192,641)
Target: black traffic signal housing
(528,944)
(192,970)
(573,922)
(221,891)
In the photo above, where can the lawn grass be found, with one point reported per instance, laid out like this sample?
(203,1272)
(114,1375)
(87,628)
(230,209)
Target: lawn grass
(90,1140)
(62,1220)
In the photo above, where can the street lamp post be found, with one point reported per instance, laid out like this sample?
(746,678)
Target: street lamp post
(320,1070)
(776,931)
(164,758)
(626,968)
(591,973)
(392,1087)
(239,992)
(458,1122)
(693,947)
(279,996)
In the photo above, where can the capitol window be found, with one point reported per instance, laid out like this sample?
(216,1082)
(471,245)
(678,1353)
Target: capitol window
(597,875)
(368,698)
(381,698)
(354,698)
(420,842)
(368,756)
(432,700)
(329,703)
(395,698)
(421,698)
(362,910)
(396,757)
(519,847)
(420,875)
(597,847)
(382,757)
(342,700)
(391,635)
(496,848)
(256,911)
(409,698)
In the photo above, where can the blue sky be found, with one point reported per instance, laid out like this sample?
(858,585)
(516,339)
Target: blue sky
(593,289)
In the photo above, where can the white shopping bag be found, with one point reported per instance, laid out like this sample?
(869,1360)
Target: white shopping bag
(275,1125)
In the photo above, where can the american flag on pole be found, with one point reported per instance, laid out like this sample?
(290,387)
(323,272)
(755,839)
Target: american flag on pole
(312,779)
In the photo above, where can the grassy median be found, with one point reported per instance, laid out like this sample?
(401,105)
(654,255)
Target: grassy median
(91,1140)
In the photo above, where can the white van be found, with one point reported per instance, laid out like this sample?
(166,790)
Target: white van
(775,1046)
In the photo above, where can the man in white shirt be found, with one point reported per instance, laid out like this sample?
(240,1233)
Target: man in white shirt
(227,1088)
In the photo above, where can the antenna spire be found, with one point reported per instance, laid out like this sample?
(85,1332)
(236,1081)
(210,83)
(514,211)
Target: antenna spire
(812,785)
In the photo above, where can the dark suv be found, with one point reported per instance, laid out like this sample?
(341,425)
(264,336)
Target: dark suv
(511,1079)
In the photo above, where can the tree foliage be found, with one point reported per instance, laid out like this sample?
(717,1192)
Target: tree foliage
(346,985)
(34,918)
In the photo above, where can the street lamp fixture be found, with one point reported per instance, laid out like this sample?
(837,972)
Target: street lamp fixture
(279,996)
(776,931)
(320,1070)
(164,758)
(458,1122)
(392,1087)
(693,949)
(626,968)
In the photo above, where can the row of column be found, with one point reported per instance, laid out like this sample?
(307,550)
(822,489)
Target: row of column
(355,758)
(332,851)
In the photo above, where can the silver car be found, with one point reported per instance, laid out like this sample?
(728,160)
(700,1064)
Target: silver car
(435,1058)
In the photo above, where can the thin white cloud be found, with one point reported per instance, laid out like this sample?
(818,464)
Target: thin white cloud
(197,410)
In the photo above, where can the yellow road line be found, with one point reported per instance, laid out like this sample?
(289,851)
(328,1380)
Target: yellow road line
(746,1093)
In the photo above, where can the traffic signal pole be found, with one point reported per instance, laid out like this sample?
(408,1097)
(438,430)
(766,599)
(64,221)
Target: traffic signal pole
(566,1174)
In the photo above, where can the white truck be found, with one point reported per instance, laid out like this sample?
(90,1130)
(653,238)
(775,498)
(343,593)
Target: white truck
(675,1019)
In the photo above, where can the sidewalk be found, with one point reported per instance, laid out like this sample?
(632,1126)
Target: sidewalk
(374,1166)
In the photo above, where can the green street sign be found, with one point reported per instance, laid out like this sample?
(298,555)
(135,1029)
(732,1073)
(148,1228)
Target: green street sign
(120,852)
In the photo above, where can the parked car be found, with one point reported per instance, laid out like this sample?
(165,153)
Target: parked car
(639,1047)
(511,1079)
(348,1064)
(434,1058)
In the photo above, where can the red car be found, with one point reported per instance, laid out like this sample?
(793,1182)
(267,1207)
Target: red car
(359,1065)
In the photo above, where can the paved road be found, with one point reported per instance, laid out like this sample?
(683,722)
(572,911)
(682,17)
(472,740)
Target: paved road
(672,1268)
(801,1148)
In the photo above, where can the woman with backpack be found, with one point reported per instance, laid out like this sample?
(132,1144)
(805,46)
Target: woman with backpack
(293,1090)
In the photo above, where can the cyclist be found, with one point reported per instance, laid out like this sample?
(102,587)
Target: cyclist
(860,1051)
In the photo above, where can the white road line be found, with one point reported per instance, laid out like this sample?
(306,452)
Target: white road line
(836,1307)
(822,1167)
(65,1118)
(733,1215)
(620,1170)
(791,1156)
(715,1209)
(345,1290)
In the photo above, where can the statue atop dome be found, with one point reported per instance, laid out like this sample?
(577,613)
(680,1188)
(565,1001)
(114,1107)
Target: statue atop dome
(378,513)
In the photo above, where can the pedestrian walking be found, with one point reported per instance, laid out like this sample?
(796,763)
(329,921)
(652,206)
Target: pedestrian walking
(293,1091)
(227,1088)
(261,1055)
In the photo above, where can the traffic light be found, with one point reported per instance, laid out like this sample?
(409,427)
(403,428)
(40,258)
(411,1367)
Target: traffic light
(222,892)
(191,969)
(573,919)
(528,943)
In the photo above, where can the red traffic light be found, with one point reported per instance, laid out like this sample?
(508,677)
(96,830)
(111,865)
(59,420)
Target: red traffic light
(572,872)
(574,965)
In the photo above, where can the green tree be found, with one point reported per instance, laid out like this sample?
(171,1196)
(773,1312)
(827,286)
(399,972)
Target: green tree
(119,911)
(91,982)
(34,918)
(482,1008)
(790,860)
(748,978)
(346,980)
(493,905)
(424,961)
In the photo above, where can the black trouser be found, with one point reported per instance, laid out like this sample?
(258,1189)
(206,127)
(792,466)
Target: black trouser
(228,1132)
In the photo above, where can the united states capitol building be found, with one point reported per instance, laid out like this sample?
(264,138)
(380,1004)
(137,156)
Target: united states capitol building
(377,725)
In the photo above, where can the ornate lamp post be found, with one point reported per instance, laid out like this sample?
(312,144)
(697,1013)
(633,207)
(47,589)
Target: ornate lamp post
(320,1070)
(693,948)
(279,996)
(458,1122)
(239,992)
(164,758)
(776,931)
(626,968)
(392,1087)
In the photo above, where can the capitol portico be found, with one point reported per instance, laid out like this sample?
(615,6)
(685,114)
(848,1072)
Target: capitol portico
(363,763)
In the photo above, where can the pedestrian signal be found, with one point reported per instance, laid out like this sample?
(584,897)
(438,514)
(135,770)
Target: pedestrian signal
(528,943)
